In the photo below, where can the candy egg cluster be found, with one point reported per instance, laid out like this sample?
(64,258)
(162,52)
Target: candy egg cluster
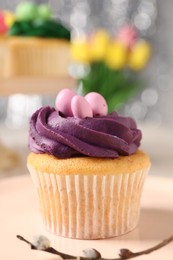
(26,11)
(71,104)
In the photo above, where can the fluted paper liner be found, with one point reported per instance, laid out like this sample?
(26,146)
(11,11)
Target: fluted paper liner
(89,206)
(4,56)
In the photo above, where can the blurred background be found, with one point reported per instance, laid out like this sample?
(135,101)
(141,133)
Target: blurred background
(152,106)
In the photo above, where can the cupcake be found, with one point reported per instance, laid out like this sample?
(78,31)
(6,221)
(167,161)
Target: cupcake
(32,43)
(87,167)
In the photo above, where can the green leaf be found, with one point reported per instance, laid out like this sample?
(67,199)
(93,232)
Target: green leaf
(117,86)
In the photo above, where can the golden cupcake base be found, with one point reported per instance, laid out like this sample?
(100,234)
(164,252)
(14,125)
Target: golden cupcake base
(32,56)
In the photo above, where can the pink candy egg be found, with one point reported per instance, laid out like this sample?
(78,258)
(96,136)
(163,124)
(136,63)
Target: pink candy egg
(97,103)
(80,107)
(63,101)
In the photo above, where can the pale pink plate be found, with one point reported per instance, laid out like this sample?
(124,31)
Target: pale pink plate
(19,215)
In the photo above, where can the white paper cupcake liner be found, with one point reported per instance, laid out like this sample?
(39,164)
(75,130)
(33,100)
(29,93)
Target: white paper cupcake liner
(89,206)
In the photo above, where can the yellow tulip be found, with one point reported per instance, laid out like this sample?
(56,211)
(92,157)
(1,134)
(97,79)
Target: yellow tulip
(139,55)
(80,51)
(9,18)
(98,45)
(116,56)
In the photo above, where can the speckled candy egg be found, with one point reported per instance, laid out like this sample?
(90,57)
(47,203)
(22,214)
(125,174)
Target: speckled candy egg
(44,12)
(97,103)
(26,11)
(63,101)
(80,107)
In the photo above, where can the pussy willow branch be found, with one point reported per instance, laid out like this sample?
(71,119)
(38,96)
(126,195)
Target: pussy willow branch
(49,249)
(124,253)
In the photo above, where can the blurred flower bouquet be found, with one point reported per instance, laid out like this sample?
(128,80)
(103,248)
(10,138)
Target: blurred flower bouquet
(113,63)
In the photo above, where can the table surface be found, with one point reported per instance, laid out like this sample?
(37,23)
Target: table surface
(35,85)
(20,216)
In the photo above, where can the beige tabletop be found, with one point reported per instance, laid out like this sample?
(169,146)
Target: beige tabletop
(36,85)
(19,215)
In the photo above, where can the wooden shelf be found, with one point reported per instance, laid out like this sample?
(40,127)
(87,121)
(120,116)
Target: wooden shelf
(34,85)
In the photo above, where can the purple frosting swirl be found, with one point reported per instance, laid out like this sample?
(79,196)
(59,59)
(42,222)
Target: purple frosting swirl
(64,137)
